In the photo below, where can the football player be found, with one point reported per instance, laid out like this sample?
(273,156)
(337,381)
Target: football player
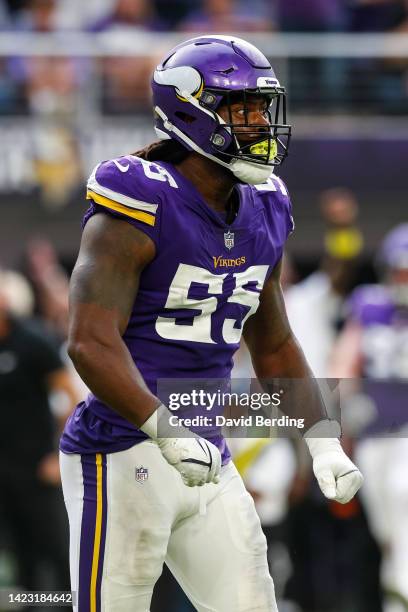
(374,348)
(180,255)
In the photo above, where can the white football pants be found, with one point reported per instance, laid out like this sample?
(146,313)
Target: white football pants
(125,522)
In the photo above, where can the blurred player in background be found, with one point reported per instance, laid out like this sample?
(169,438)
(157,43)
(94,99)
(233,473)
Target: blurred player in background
(319,299)
(374,346)
(180,255)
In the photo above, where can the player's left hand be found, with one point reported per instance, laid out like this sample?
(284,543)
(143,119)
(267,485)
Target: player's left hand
(338,477)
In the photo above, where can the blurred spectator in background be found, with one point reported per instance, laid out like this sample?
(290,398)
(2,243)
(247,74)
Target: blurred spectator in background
(51,83)
(69,13)
(13,6)
(311,16)
(126,84)
(129,14)
(50,282)
(176,12)
(126,79)
(38,16)
(16,294)
(377,15)
(383,82)
(56,163)
(49,88)
(11,94)
(31,371)
(222,16)
(263,9)
(4,16)
(373,348)
(50,288)
(315,82)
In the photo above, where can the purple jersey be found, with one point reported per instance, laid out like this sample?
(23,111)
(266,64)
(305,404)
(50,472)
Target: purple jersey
(384,352)
(195,296)
(384,329)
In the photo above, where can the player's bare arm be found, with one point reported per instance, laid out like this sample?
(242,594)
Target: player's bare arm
(103,288)
(276,354)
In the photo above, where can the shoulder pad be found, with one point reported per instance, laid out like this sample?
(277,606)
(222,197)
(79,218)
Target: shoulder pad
(131,186)
(275,192)
(371,305)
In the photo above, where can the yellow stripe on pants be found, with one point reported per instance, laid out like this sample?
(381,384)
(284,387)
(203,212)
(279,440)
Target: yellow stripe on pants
(98,530)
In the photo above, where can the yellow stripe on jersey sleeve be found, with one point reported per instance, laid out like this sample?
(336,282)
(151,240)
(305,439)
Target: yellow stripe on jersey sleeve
(108,203)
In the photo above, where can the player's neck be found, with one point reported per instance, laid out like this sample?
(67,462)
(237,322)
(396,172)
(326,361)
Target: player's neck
(214,182)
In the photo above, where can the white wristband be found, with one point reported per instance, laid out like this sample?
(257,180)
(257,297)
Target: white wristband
(158,425)
(149,427)
(323,436)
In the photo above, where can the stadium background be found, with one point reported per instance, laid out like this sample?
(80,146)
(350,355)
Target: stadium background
(74,90)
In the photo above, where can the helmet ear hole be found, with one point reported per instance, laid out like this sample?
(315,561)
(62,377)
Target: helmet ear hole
(185,117)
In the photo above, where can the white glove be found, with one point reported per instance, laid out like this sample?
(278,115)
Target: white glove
(197,459)
(338,477)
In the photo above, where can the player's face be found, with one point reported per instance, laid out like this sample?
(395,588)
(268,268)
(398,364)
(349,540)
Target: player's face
(251,116)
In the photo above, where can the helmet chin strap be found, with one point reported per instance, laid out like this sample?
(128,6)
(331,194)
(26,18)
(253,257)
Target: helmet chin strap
(244,171)
(253,174)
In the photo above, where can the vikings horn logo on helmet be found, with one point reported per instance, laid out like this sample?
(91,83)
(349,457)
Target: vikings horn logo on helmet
(184,79)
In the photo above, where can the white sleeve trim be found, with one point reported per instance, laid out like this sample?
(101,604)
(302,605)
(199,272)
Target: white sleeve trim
(93,185)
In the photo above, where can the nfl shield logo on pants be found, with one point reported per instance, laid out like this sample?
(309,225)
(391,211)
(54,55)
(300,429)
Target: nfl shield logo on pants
(142,474)
(229,240)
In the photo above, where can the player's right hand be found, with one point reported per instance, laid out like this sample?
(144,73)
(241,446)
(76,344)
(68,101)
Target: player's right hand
(197,460)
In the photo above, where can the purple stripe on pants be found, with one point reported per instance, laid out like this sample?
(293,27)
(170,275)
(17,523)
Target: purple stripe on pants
(88,529)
